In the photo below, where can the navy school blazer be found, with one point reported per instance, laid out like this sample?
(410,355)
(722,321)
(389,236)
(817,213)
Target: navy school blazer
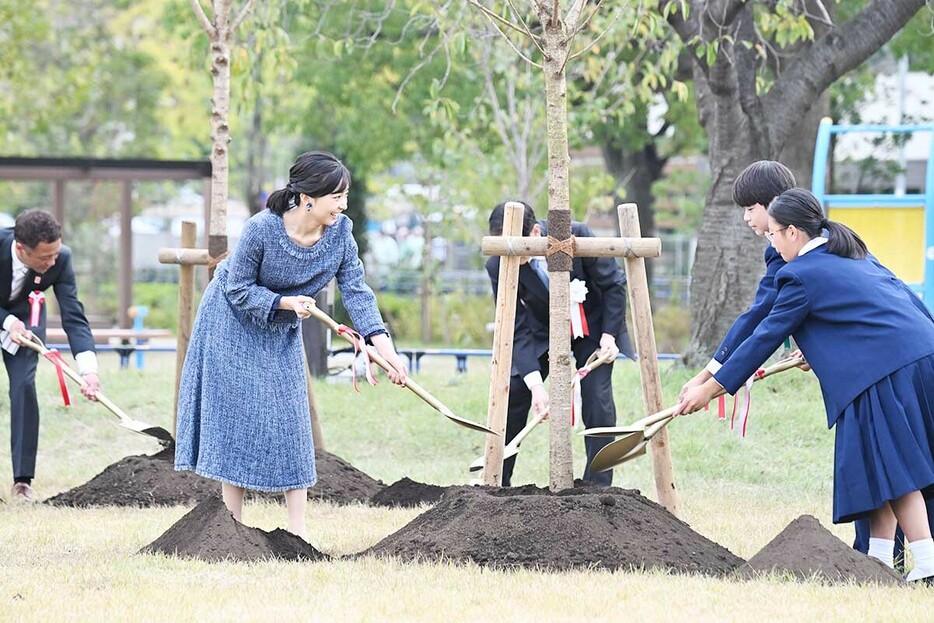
(855,322)
(747,322)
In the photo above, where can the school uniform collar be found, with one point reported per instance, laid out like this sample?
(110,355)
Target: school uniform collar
(812,244)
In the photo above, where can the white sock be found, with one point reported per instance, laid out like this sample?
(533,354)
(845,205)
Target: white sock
(882,550)
(923,554)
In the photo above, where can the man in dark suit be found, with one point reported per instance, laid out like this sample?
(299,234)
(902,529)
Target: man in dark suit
(33,259)
(605,312)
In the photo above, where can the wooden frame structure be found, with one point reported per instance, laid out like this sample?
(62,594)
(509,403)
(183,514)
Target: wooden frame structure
(60,171)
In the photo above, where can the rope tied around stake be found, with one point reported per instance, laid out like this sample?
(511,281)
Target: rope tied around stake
(567,246)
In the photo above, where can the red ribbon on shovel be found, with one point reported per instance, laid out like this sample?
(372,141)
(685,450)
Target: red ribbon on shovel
(55,357)
(359,345)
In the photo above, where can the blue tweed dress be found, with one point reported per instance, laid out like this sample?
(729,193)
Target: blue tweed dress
(243,414)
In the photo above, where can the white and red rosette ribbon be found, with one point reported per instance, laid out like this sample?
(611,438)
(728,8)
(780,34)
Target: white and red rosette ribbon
(56,357)
(359,346)
(36,300)
(577,296)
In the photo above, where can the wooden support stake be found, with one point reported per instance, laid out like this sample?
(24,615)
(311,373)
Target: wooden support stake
(503,333)
(186,297)
(644,332)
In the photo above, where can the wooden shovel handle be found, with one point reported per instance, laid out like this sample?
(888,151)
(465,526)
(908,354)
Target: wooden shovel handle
(36,344)
(410,384)
(658,421)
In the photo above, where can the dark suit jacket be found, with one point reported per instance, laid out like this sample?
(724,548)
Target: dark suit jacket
(61,278)
(604,307)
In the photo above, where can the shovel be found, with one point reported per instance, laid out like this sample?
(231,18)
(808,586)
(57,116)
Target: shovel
(636,435)
(512,448)
(410,384)
(164,436)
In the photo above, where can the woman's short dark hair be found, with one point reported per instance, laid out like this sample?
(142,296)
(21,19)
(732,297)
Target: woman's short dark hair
(314,173)
(498,215)
(761,182)
(35,226)
(802,209)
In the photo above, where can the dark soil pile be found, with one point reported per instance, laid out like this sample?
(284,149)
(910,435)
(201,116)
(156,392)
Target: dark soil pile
(341,482)
(151,480)
(141,480)
(210,532)
(408,493)
(805,549)
(588,527)
(338,482)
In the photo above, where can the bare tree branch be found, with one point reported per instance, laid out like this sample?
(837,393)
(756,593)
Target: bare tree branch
(496,24)
(574,13)
(247,7)
(203,19)
(596,39)
(528,31)
(832,55)
(492,16)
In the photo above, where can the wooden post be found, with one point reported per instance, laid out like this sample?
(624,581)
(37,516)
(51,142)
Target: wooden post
(504,329)
(58,202)
(317,435)
(125,297)
(644,332)
(186,297)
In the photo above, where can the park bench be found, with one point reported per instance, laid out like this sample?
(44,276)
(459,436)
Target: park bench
(414,355)
(124,342)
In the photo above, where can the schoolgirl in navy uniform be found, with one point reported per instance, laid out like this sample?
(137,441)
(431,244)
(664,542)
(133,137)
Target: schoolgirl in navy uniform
(870,342)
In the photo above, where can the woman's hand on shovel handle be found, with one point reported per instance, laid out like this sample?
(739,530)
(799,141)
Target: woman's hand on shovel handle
(698,397)
(91,386)
(297,304)
(399,373)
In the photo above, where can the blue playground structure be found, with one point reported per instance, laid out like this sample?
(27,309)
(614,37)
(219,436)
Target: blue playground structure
(898,228)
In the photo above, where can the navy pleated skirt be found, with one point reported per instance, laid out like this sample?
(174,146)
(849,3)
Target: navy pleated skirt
(884,445)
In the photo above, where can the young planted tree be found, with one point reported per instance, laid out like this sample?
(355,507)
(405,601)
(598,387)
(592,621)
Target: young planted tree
(220,30)
(758,68)
(552,26)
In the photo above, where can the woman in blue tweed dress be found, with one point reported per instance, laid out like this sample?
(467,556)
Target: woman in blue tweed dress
(870,342)
(243,414)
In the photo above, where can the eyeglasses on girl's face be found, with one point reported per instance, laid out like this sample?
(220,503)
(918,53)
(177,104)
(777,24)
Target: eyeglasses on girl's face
(771,234)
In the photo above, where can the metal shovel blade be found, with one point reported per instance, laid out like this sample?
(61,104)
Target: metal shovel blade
(611,431)
(508,453)
(612,454)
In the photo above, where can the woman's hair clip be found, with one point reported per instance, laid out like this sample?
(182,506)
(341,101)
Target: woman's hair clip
(292,202)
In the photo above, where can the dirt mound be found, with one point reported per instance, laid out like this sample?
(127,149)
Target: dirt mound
(408,493)
(806,549)
(141,480)
(604,528)
(338,482)
(210,532)
(151,480)
(341,482)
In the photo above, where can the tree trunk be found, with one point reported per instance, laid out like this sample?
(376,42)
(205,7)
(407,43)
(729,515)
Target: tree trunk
(220,32)
(560,366)
(728,261)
